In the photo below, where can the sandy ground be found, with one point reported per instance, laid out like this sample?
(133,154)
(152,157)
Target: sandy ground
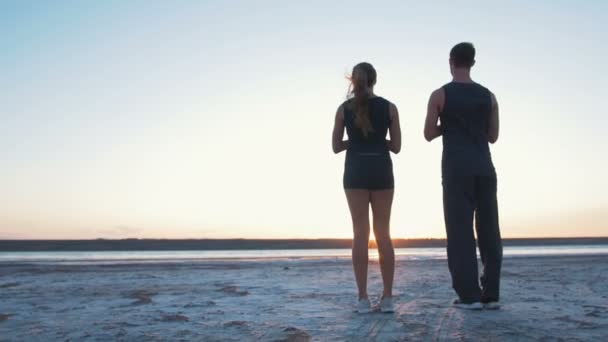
(544,298)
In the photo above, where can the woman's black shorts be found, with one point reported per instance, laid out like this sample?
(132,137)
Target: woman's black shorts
(369,171)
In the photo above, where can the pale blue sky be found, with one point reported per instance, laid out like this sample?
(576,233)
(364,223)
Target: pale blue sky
(213,118)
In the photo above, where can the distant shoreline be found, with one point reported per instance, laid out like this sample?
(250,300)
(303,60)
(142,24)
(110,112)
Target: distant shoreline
(251,244)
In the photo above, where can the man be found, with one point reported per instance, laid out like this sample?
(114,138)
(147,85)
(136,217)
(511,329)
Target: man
(466,115)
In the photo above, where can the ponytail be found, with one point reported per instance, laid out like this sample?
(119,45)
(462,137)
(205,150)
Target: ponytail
(361,90)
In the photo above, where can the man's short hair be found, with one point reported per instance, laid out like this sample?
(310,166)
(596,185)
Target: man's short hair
(463,55)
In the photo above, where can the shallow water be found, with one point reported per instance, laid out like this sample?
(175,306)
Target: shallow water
(71,257)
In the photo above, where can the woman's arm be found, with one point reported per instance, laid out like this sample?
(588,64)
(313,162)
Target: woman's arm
(337,143)
(394,145)
(493,123)
(431,129)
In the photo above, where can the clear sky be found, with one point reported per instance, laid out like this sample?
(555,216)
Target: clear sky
(212,119)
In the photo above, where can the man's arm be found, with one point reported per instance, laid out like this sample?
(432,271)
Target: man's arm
(338,133)
(493,123)
(431,128)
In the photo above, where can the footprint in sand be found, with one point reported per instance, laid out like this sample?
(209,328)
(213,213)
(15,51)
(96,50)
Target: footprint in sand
(200,305)
(142,297)
(174,318)
(236,324)
(595,311)
(233,290)
(296,335)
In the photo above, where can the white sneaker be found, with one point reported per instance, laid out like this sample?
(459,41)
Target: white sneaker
(467,306)
(364,306)
(387,305)
(491,305)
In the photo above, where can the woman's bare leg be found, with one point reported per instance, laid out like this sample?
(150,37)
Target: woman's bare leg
(382,202)
(358,203)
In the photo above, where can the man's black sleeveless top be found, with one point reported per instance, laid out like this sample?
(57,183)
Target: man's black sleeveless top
(464,122)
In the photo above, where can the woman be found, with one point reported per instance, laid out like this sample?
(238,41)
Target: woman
(368,176)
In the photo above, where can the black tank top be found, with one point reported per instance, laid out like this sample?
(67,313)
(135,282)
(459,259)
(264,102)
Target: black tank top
(375,142)
(464,122)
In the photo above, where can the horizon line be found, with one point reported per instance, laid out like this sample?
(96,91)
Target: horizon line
(291,239)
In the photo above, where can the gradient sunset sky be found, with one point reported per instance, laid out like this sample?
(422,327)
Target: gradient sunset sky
(212,119)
